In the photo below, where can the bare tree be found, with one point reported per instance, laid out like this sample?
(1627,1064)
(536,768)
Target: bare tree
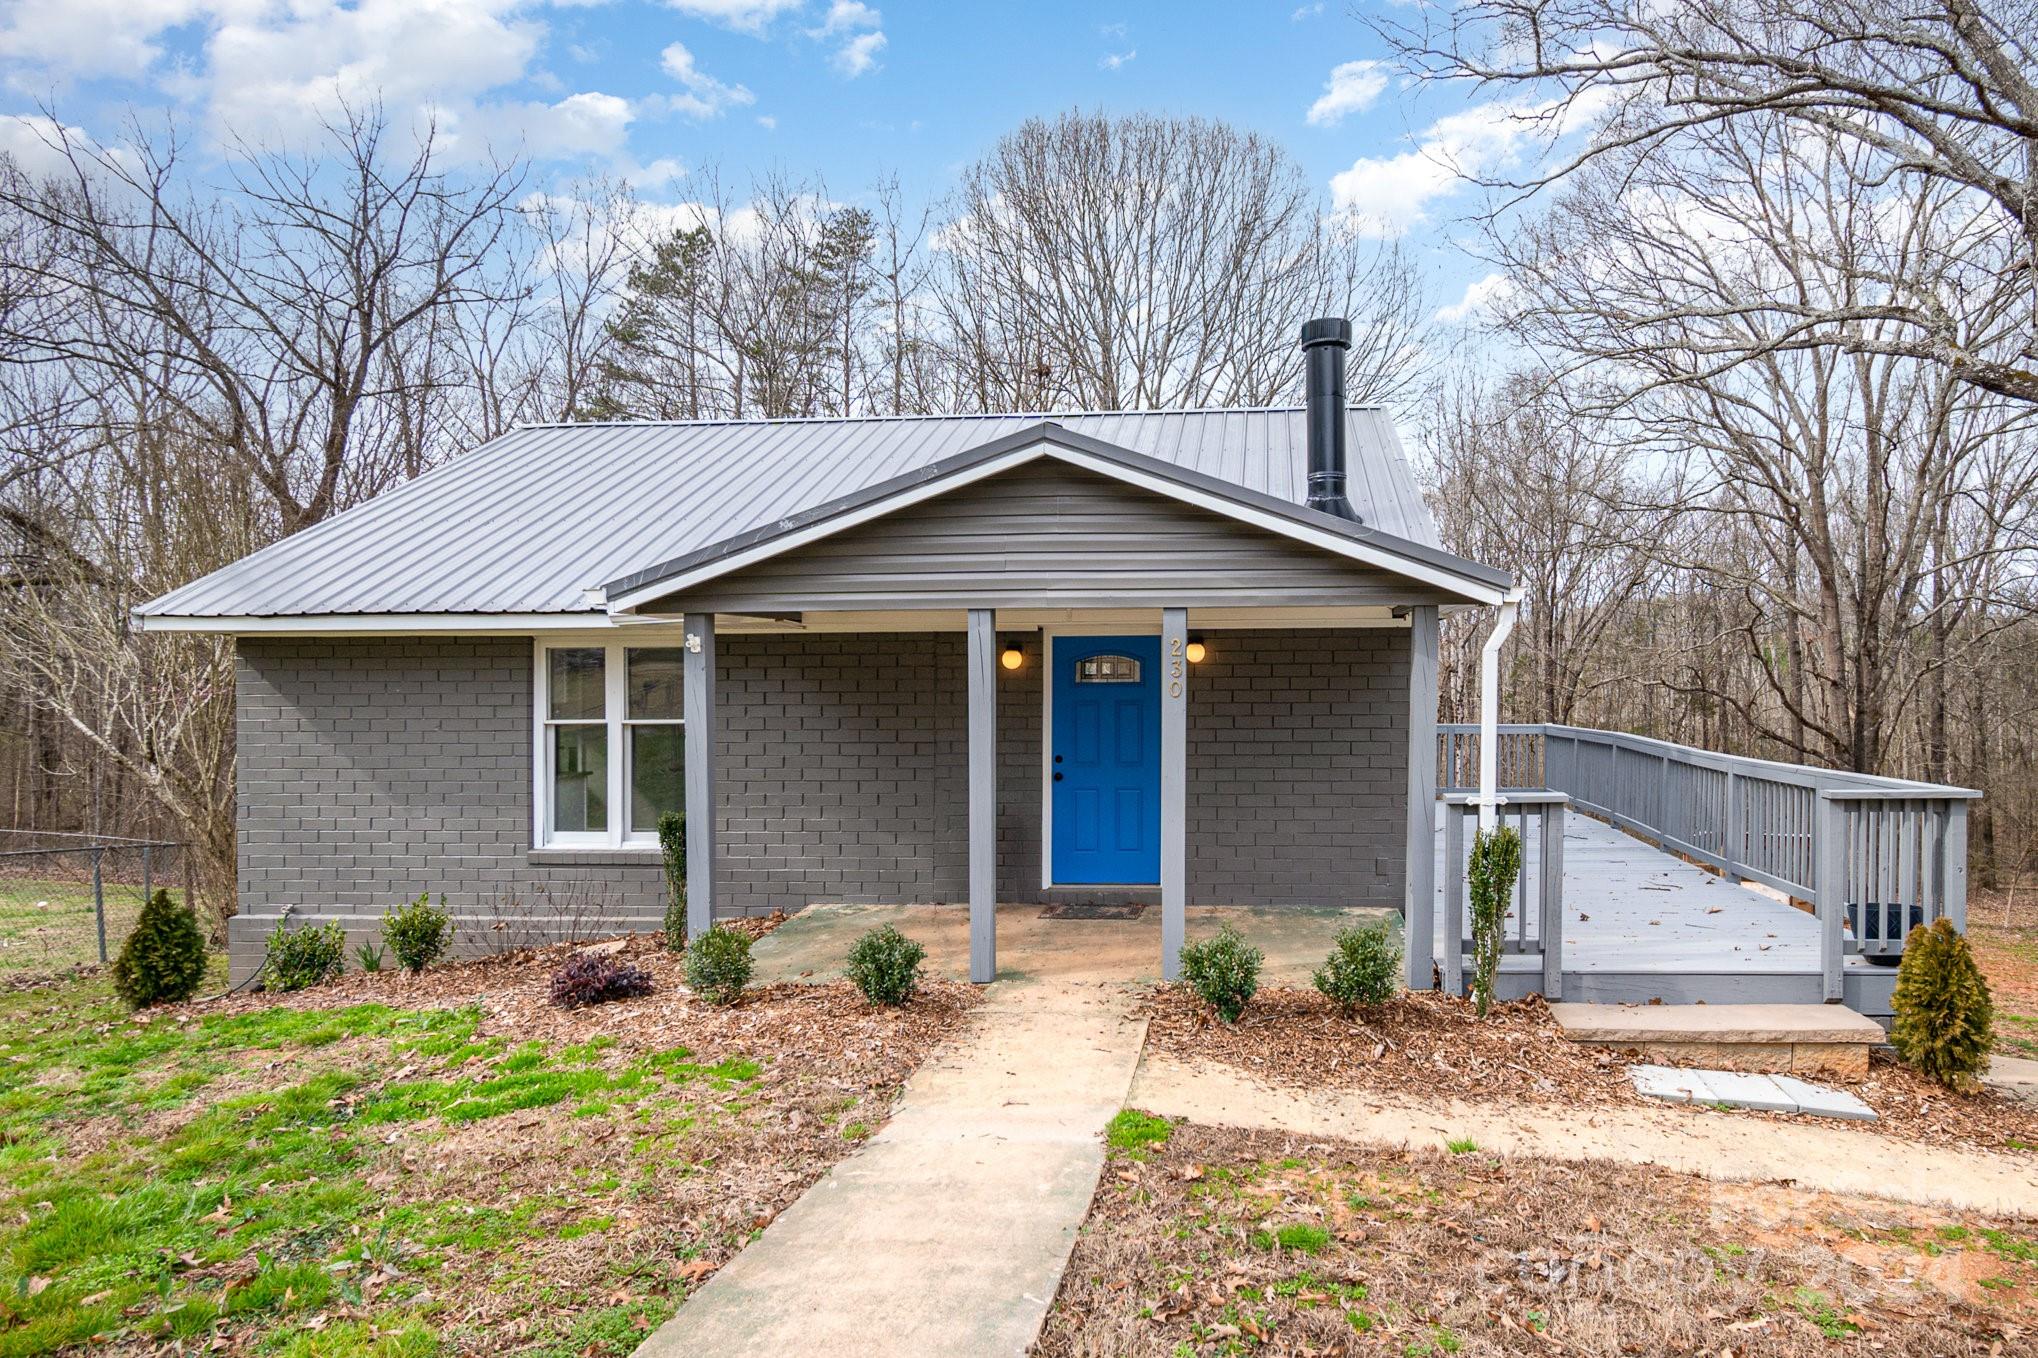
(1146,262)
(1943,91)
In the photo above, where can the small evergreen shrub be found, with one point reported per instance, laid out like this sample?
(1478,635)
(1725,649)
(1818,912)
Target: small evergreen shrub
(597,978)
(309,956)
(1363,969)
(1943,1012)
(885,966)
(672,848)
(718,964)
(1224,970)
(1496,862)
(369,956)
(418,933)
(163,960)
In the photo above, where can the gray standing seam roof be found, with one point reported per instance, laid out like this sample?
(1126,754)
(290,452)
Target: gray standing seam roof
(531,521)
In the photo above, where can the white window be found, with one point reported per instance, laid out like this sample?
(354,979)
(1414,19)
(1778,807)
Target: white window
(612,743)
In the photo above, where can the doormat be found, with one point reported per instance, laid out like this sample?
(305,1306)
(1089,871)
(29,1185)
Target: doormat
(1131,911)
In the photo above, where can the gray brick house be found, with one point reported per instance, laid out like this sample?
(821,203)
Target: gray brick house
(1169,656)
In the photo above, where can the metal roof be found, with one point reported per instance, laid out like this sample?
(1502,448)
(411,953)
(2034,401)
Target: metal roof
(531,522)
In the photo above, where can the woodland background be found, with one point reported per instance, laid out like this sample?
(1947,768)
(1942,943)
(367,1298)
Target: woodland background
(1752,421)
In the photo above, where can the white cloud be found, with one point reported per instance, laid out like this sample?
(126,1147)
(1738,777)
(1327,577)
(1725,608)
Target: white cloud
(703,96)
(1386,196)
(1117,30)
(1111,61)
(846,16)
(745,16)
(1306,12)
(859,54)
(1483,298)
(90,37)
(584,124)
(767,122)
(1352,88)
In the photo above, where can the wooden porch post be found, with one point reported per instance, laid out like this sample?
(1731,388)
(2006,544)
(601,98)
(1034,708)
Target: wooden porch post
(698,706)
(1174,789)
(983,795)
(1418,905)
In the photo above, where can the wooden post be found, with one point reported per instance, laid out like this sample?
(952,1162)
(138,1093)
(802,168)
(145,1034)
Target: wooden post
(1553,901)
(1418,897)
(1953,865)
(1830,885)
(1174,789)
(1730,851)
(698,707)
(983,796)
(1454,900)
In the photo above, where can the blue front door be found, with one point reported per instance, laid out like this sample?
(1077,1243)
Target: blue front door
(1105,763)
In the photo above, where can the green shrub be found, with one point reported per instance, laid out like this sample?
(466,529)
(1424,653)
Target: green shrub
(368,955)
(885,965)
(718,964)
(418,933)
(1942,1006)
(309,956)
(1363,969)
(1224,970)
(1496,862)
(672,847)
(163,960)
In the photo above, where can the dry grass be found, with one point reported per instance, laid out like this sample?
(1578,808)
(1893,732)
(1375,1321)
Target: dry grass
(1429,1254)
(2003,926)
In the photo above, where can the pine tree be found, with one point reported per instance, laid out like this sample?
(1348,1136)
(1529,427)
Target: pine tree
(1944,1016)
(163,960)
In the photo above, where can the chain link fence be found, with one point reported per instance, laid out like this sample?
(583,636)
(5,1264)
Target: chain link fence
(70,900)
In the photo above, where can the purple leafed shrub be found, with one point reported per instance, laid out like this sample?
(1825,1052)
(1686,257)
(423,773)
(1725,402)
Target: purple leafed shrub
(597,979)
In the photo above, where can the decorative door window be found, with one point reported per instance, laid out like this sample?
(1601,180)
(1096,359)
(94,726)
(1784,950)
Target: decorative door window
(1108,669)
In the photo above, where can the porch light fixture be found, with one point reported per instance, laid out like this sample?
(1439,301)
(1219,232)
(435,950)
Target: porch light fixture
(1012,657)
(1197,650)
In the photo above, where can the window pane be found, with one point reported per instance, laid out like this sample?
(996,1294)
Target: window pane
(654,683)
(580,777)
(657,774)
(576,684)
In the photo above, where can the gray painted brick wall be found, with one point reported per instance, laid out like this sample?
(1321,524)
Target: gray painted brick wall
(372,769)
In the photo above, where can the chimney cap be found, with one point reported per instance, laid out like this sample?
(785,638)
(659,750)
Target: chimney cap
(1327,330)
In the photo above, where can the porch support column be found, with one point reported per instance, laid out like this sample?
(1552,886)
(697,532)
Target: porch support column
(983,795)
(698,706)
(1418,907)
(1174,789)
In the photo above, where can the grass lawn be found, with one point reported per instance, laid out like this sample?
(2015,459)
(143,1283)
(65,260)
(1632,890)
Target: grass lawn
(409,1167)
(1202,1241)
(48,925)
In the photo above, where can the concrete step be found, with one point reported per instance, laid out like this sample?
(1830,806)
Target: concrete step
(1820,1039)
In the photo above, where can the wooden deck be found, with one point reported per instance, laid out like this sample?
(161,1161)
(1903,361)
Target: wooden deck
(1641,924)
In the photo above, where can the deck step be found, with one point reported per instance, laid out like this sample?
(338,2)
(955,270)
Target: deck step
(1803,1039)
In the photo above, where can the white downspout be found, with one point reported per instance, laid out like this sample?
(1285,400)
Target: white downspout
(1489,708)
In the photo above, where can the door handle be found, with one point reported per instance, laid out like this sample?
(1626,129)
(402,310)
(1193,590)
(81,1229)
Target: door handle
(1057,775)
(1057,759)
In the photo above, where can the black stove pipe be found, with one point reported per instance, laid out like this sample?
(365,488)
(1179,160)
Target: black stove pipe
(1324,342)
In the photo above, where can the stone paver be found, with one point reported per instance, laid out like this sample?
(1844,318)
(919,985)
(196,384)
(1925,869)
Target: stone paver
(1740,1089)
(948,1231)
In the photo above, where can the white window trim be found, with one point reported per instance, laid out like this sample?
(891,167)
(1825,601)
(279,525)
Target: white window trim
(615,720)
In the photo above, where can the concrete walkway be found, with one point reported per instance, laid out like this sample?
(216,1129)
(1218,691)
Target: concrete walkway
(948,1231)
(1822,1157)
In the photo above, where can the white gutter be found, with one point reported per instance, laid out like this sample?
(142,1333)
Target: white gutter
(1489,708)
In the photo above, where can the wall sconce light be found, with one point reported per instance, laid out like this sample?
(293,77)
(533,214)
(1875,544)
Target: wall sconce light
(1197,650)
(1012,657)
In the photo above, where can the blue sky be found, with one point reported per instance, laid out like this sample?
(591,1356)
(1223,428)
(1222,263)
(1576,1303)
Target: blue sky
(645,89)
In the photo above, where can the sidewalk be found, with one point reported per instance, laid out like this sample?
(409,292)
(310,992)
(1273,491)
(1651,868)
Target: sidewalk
(948,1232)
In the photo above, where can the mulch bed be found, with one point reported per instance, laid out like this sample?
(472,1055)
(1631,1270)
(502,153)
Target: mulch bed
(1426,1045)
(1392,1253)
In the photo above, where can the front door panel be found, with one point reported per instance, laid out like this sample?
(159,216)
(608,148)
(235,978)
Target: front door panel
(1105,760)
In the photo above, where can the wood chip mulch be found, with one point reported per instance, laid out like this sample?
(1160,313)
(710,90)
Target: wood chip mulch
(1426,1045)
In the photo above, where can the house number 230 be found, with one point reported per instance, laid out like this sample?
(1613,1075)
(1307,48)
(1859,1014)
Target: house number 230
(1174,667)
